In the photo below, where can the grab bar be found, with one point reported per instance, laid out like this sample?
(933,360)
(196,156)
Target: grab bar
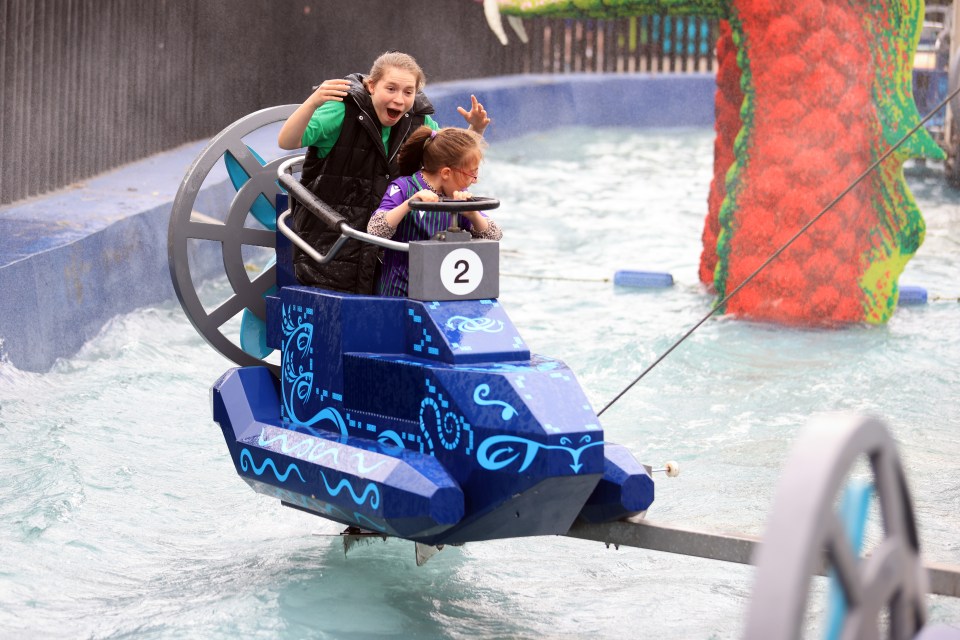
(323,211)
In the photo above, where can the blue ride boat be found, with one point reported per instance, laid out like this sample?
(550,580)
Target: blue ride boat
(424,419)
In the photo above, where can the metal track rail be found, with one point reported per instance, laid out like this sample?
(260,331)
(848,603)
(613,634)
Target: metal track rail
(637,532)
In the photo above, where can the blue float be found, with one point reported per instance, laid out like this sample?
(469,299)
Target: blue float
(911,295)
(643,279)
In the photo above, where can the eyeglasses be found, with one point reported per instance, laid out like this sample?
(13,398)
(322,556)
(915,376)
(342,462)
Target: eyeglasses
(473,176)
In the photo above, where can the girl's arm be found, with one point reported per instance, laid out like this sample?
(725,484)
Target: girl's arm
(480,225)
(391,218)
(478,222)
(377,226)
(291,133)
(395,215)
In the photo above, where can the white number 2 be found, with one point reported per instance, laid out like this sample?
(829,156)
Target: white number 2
(461,272)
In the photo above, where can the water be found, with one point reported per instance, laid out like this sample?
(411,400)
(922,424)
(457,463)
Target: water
(122,514)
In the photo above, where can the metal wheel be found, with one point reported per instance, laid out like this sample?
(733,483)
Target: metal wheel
(887,586)
(186,225)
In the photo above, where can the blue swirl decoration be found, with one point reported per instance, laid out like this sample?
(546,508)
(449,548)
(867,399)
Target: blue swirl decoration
(424,430)
(298,334)
(305,448)
(464,324)
(449,433)
(367,523)
(247,462)
(327,414)
(480,394)
(312,450)
(497,452)
(297,383)
(362,466)
(371,489)
(297,380)
(391,441)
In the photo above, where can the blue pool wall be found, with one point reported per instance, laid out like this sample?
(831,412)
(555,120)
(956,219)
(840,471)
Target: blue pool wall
(73,259)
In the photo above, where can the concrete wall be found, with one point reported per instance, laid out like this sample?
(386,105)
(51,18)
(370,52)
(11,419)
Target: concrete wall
(525,104)
(73,259)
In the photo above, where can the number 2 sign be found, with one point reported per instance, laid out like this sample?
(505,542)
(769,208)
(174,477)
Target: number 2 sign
(461,271)
(445,270)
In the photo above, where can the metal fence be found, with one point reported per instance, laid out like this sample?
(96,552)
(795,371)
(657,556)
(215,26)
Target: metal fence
(89,85)
(639,44)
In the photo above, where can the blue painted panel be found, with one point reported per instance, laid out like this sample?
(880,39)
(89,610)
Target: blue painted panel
(462,331)
(382,386)
(274,324)
(625,489)
(285,273)
(518,438)
(401,492)
(551,395)
(316,328)
(372,324)
(476,423)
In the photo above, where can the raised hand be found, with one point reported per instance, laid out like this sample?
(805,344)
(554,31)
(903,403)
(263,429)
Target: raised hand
(476,118)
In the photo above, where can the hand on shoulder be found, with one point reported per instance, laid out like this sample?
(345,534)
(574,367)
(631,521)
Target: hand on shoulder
(334,89)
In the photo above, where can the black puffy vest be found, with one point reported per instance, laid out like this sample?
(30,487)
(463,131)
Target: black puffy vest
(351,179)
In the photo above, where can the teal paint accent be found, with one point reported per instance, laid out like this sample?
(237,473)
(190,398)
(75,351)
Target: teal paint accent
(261,209)
(853,516)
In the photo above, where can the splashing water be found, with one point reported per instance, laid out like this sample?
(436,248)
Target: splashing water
(122,513)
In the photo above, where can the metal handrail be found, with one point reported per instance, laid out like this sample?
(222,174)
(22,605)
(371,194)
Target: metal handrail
(303,245)
(323,211)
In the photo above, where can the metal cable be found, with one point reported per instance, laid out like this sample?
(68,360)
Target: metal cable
(776,253)
(560,278)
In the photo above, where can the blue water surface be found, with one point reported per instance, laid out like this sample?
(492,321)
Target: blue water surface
(122,515)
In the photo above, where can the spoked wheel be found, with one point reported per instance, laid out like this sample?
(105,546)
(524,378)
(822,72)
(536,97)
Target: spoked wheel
(258,179)
(887,587)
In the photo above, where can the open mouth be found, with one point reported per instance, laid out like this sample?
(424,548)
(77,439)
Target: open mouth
(393,114)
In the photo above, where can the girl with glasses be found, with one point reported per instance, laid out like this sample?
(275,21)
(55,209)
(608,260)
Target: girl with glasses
(435,164)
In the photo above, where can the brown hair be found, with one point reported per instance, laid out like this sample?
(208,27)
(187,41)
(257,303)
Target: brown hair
(435,150)
(395,59)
